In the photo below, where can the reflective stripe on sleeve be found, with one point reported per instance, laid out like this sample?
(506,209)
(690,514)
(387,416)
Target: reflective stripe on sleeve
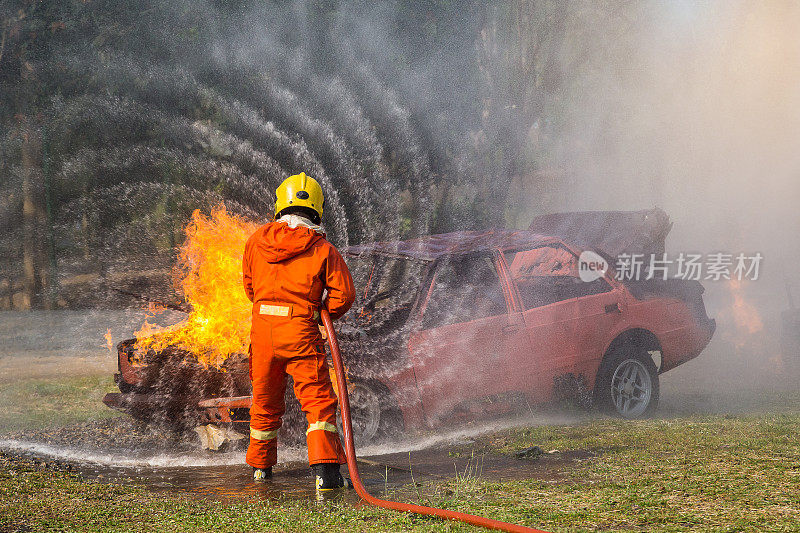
(327,426)
(263,435)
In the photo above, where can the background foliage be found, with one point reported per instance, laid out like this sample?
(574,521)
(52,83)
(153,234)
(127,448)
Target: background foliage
(119,118)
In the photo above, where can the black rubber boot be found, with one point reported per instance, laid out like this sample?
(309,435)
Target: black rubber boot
(262,474)
(328,476)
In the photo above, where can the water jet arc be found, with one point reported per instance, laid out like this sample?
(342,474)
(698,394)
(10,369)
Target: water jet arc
(350,449)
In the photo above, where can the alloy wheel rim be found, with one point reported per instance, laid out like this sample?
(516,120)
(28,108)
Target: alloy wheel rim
(631,388)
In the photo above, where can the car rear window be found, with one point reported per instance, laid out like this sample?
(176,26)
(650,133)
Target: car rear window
(548,274)
(543,261)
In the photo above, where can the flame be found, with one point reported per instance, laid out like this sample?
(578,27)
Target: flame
(210,266)
(745,315)
(747,334)
(748,327)
(109,342)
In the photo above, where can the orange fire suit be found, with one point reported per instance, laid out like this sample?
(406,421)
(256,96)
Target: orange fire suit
(285,272)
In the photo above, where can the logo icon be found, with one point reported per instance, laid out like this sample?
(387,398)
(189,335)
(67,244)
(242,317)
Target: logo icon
(591,266)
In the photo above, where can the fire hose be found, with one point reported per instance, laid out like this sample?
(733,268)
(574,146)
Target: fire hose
(352,466)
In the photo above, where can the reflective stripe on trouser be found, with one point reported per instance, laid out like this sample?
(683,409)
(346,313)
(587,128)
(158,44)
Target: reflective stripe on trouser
(263,435)
(326,426)
(263,447)
(312,387)
(323,437)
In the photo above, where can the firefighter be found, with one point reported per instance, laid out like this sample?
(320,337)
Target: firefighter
(287,268)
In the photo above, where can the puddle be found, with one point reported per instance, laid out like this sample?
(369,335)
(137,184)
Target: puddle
(380,473)
(384,468)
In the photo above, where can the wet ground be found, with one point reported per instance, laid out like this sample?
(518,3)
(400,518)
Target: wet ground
(224,476)
(120,450)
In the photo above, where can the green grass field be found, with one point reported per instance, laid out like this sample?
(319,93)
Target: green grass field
(710,473)
(41,403)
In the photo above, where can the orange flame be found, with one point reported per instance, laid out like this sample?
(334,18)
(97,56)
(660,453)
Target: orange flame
(745,315)
(109,342)
(210,260)
(748,334)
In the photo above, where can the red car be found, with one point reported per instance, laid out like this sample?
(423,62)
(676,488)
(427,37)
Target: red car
(461,324)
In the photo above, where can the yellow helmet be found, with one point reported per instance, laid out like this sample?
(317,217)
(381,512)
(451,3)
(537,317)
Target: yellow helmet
(299,191)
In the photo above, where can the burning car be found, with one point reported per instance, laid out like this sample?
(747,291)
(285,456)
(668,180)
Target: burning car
(458,325)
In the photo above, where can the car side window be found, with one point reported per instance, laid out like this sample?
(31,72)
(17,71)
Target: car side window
(549,274)
(465,288)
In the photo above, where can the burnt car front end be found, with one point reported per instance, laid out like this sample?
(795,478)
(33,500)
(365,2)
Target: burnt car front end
(374,335)
(167,385)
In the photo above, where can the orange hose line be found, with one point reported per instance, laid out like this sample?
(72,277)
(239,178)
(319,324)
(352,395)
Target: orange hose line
(344,403)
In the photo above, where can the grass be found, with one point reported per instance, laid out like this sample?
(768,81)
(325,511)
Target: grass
(715,473)
(709,473)
(44,403)
(35,499)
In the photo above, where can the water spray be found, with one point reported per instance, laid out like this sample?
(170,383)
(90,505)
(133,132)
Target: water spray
(352,465)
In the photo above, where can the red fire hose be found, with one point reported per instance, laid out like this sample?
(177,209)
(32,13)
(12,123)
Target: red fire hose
(350,448)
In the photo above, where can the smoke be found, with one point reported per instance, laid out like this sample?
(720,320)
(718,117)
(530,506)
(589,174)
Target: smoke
(701,119)
(695,109)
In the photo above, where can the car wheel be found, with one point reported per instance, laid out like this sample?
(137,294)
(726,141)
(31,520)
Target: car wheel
(365,411)
(627,384)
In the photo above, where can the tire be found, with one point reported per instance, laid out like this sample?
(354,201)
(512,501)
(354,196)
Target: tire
(627,383)
(370,405)
(372,410)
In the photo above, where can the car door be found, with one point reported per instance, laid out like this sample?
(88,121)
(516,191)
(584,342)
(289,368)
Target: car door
(601,314)
(545,278)
(460,350)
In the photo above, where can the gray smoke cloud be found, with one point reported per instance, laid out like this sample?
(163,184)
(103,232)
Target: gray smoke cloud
(696,109)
